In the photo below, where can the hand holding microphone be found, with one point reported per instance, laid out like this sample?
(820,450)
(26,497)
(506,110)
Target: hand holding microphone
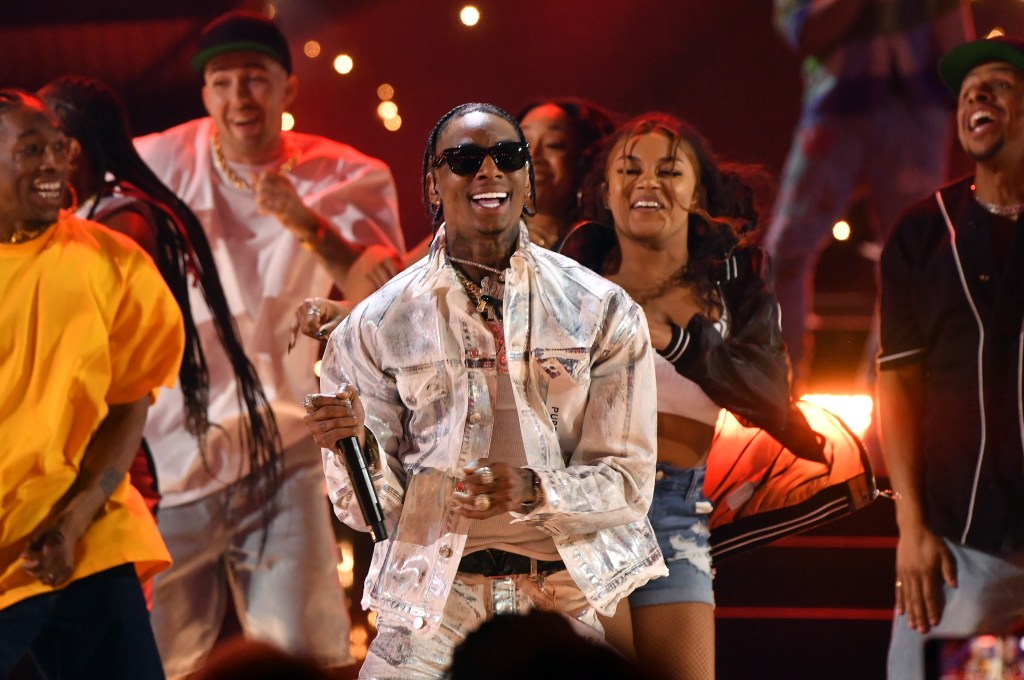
(336,422)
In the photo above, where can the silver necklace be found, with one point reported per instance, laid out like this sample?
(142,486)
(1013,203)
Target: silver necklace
(1011,211)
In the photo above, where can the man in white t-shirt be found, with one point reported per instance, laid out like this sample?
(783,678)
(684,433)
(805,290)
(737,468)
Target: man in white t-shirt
(287,215)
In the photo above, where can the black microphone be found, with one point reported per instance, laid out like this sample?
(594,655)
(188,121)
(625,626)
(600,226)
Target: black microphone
(362,485)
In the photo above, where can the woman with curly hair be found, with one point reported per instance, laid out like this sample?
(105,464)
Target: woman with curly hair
(681,244)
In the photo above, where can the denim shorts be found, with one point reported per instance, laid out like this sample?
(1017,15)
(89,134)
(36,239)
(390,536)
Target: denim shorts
(680,515)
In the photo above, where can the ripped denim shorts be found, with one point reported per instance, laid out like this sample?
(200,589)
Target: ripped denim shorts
(680,515)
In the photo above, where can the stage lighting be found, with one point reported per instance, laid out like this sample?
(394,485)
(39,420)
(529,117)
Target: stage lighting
(343,64)
(841,230)
(469,15)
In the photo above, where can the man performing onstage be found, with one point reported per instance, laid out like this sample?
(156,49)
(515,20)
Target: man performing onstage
(950,373)
(89,331)
(287,215)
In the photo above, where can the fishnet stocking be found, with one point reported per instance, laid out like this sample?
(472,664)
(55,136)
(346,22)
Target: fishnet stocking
(618,630)
(676,639)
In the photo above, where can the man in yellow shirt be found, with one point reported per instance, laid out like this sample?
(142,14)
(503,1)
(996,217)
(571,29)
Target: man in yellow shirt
(88,332)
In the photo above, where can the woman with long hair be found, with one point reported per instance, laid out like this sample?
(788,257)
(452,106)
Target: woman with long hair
(676,228)
(114,186)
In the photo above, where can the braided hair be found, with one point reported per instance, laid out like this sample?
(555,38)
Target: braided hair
(91,113)
(726,217)
(437,214)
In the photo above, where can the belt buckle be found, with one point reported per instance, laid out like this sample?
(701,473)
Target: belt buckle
(503,596)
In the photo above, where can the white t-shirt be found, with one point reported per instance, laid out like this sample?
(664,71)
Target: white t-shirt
(265,273)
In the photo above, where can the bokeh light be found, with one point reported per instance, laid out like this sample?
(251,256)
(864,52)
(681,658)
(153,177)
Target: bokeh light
(387,110)
(393,123)
(841,230)
(311,49)
(346,567)
(287,121)
(343,64)
(385,92)
(469,15)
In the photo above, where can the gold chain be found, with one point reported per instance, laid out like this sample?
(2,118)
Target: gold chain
(470,263)
(22,235)
(485,304)
(222,163)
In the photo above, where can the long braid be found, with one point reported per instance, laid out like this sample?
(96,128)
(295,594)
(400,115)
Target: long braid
(92,114)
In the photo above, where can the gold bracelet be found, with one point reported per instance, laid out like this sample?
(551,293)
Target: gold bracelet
(313,242)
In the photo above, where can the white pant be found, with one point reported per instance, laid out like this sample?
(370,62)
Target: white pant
(291,598)
(989,598)
(396,653)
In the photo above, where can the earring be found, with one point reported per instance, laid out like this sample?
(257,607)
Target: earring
(74,198)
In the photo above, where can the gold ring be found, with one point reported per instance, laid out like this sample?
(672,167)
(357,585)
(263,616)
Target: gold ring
(486,475)
(482,503)
(314,310)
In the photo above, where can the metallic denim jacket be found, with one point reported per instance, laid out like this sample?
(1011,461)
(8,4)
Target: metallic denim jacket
(582,370)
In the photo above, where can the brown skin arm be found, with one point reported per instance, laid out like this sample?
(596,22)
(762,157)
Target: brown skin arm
(50,554)
(923,562)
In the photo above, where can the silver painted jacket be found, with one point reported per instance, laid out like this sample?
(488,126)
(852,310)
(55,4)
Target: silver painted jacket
(582,370)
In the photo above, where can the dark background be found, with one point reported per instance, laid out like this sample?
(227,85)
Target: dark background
(718,63)
(816,606)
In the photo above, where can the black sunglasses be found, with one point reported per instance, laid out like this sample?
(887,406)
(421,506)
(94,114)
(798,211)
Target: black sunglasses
(466,159)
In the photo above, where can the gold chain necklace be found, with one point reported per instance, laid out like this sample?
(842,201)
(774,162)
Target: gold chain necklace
(222,164)
(22,235)
(484,303)
(470,263)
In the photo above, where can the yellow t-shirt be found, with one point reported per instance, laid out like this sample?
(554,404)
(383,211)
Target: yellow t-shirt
(85,321)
